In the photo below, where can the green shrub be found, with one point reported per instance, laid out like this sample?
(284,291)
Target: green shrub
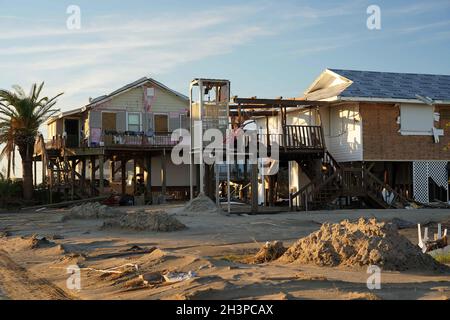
(10,192)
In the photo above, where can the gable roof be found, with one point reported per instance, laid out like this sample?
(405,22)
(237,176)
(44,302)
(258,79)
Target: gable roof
(385,85)
(133,85)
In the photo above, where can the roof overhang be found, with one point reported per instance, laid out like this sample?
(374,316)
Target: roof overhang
(65,114)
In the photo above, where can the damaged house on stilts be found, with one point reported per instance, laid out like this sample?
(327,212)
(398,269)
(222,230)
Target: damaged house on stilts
(353,139)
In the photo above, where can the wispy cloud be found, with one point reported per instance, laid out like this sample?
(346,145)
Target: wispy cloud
(104,54)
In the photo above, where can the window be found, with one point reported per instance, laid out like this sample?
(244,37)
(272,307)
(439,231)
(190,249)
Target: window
(184,121)
(161,123)
(134,122)
(416,119)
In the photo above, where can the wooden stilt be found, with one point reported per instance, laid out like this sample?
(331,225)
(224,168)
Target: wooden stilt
(72,180)
(112,170)
(83,174)
(101,162)
(163,173)
(123,167)
(92,176)
(254,186)
(148,181)
(50,185)
(271,190)
(134,176)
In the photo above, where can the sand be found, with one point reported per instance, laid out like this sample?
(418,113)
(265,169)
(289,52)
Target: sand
(212,248)
(269,252)
(201,205)
(366,242)
(91,210)
(145,221)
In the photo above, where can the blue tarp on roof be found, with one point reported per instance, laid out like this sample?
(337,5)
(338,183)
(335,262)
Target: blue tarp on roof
(373,84)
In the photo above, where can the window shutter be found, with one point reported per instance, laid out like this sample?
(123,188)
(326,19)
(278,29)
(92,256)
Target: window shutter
(121,121)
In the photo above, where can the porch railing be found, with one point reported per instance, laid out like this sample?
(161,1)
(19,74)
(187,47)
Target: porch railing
(111,139)
(296,137)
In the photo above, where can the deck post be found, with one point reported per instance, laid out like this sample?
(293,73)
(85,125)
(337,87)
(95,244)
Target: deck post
(101,163)
(271,190)
(50,185)
(83,174)
(163,173)
(72,179)
(92,176)
(148,181)
(123,167)
(112,170)
(254,186)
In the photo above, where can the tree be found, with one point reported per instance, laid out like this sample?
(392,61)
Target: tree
(21,116)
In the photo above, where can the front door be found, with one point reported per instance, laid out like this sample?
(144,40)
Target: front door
(71,127)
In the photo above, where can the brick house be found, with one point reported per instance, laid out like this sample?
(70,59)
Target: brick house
(395,124)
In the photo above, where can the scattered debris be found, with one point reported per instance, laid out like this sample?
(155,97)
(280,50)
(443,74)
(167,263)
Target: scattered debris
(269,252)
(91,210)
(145,221)
(37,242)
(426,244)
(403,224)
(135,250)
(126,268)
(366,242)
(179,276)
(55,237)
(201,205)
(151,278)
(5,233)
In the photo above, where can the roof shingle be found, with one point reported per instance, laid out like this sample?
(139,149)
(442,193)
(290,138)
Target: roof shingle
(372,84)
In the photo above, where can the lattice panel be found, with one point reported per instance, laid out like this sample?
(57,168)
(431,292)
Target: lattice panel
(422,170)
(437,170)
(420,181)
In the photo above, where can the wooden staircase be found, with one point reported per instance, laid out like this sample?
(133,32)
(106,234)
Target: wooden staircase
(61,176)
(342,181)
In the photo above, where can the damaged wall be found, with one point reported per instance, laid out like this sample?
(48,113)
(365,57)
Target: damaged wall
(383,141)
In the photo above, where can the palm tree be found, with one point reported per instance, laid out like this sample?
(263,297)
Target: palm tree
(21,116)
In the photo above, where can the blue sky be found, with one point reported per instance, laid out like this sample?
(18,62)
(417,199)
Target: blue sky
(266,48)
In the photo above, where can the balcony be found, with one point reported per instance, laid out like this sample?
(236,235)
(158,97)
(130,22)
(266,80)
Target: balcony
(297,138)
(130,139)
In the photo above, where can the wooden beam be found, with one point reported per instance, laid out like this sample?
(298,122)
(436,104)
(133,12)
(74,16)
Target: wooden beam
(163,173)
(254,186)
(123,167)
(72,180)
(93,169)
(148,182)
(256,113)
(101,166)
(279,102)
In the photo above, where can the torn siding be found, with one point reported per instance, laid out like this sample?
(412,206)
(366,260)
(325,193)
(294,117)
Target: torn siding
(343,132)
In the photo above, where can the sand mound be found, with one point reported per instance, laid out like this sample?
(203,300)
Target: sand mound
(91,210)
(269,252)
(145,221)
(201,205)
(366,242)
